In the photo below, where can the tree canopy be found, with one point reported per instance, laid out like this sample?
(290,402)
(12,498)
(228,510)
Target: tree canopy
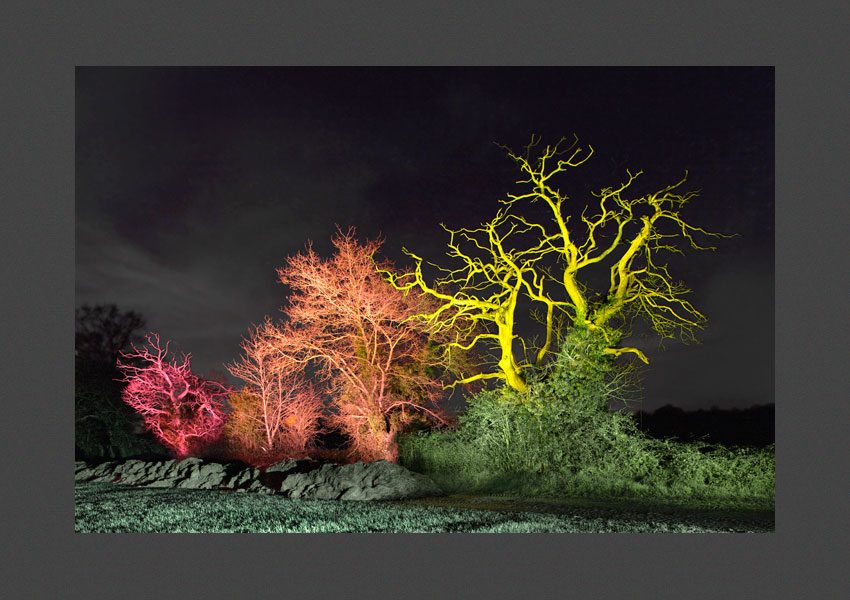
(545,260)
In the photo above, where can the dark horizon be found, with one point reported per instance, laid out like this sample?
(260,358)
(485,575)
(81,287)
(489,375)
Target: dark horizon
(193,185)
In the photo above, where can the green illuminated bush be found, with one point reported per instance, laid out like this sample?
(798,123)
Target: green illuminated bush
(561,439)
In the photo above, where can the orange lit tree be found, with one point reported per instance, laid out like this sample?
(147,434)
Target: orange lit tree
(356,330)
(276,415)
(545,260)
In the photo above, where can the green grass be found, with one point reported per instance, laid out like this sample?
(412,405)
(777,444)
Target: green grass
(103,507)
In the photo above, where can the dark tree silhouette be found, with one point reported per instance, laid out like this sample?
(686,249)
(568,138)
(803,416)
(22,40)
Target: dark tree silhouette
(103,332)
(753,426)
(105,427)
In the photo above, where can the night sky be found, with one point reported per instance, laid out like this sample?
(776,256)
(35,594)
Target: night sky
(193,185)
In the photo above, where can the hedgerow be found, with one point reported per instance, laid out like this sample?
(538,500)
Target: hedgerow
(560,438)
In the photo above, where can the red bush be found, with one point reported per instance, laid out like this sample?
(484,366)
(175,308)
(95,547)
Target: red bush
(184,411)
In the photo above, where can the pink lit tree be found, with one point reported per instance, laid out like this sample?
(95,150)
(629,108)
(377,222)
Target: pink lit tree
(378,363)
(276,415)
(184,411)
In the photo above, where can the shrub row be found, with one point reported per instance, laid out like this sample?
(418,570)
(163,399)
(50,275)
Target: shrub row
(560,439)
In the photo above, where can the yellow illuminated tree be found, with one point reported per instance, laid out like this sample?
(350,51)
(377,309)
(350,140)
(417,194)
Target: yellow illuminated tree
(546,260)
(478,299)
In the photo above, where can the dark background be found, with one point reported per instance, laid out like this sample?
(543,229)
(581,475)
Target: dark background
(194,184)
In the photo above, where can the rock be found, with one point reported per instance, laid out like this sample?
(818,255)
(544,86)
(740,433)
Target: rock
(379,480)
(132,471)
(206,477)
(274,475)
(292,465)
(168,473)
(82,471)
(104,472)
(241,479)
(257,487)
(303,479)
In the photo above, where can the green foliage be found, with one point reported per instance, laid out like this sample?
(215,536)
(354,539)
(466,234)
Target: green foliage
(449,459)
(560,439)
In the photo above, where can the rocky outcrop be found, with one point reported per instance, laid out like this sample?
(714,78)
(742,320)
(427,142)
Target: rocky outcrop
(305,479)
(379,480)
(192,473)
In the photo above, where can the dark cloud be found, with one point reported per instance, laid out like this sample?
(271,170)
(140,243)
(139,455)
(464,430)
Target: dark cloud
(193,185)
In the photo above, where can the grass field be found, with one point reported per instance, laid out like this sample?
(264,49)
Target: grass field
(103,507)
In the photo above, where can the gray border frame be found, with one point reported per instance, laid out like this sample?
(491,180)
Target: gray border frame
(43,44)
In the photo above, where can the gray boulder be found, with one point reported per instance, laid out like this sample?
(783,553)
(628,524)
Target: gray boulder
(274,475)
(379,480)
(241,479)
(102,472)
(206,476)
